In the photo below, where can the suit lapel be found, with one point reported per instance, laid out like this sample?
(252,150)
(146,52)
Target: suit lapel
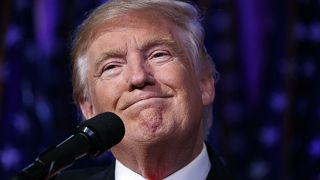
(108,174)
(217,170)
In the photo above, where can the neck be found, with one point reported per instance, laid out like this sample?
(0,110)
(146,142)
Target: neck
(157,161)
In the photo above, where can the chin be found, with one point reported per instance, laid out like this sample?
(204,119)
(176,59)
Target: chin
(149,135)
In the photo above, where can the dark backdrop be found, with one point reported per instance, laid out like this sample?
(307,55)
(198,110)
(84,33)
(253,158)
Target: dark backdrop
(267,108)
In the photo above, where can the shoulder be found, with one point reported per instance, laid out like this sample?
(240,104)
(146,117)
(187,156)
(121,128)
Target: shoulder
(93,173)
(218,169)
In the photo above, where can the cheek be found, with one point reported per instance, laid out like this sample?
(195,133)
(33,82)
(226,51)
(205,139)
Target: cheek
(182,79)
(183,82)
(174,74)
(104,95)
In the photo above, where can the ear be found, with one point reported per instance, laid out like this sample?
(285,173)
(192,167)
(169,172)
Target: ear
(86,108)
(207,89)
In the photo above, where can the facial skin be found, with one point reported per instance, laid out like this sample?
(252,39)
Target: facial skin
(139,70)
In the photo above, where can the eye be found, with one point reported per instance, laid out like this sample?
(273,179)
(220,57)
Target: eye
(109,67)
(160,56)
(110,70)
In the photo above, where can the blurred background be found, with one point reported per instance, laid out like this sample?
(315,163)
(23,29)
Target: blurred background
(267,107)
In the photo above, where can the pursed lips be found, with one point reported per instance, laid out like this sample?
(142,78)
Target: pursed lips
(142,97)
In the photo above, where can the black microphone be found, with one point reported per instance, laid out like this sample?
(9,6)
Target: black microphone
(92,137)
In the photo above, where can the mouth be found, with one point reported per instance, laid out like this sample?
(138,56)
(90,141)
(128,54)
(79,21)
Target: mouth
(144,98)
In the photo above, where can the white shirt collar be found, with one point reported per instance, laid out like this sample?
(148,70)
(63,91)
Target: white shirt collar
(196,169)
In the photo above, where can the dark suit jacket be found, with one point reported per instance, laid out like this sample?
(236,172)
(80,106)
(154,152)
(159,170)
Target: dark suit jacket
(217,171)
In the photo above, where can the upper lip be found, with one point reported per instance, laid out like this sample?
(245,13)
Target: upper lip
(143,96)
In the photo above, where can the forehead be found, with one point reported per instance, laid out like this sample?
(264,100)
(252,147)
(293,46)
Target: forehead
(147,22)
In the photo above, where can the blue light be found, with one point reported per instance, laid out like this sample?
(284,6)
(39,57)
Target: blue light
(309,68)
(315,32)
(14,35)
(9,158)
(269,136)
(27,94)
(258,170)
(278,101)
(314,148)
(21,123)
(43,111)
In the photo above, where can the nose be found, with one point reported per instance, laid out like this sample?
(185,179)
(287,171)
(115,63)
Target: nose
(139,75)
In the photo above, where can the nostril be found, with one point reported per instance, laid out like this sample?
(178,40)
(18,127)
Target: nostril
(140,86)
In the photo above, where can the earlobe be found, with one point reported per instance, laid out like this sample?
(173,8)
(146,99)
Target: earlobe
(86,108)
(207,90)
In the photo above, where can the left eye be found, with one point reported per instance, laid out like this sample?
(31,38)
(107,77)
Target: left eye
(159,54)
(160,57)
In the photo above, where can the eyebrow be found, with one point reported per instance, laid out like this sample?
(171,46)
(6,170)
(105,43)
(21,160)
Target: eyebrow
(114,53)
(158,42)
(148,44)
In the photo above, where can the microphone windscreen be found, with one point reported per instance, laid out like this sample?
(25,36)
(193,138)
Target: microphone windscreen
(107,127)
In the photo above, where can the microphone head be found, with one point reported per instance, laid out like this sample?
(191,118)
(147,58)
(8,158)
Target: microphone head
(104,131)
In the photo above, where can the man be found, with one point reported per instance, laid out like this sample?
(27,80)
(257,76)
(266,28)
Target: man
(145,61)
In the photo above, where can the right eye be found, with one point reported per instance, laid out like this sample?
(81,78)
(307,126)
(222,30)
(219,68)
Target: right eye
(109,67)
(110,70)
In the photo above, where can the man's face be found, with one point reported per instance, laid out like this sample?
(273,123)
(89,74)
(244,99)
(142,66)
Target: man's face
(139,70)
